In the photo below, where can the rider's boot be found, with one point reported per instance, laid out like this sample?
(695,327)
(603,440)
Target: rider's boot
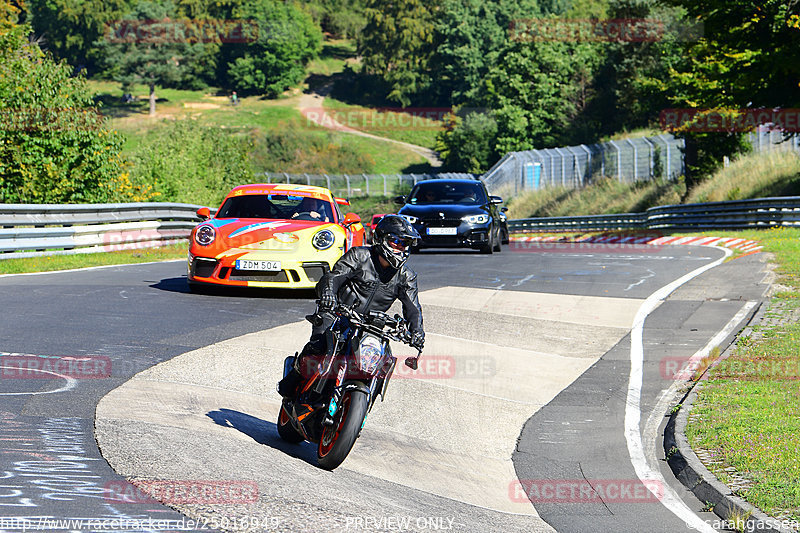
(287,387)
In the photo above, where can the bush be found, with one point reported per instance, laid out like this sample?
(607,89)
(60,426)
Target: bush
(188,162)
(54,146)
(296,151)
(468,146)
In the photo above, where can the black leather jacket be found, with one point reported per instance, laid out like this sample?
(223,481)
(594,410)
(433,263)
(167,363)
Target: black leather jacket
(358,278)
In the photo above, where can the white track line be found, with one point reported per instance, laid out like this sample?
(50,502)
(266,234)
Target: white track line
(88,268)
(657,415)
(633,414)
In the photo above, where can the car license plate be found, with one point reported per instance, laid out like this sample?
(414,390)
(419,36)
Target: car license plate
(248,264)
(442,231)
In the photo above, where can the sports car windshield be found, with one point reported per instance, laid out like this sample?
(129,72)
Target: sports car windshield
(430,192)
(276,206)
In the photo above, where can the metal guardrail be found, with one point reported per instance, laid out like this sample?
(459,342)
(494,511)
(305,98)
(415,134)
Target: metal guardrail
(36,230)
(761,213)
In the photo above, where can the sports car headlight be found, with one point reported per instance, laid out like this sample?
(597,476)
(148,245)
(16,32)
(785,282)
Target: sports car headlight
(205,235)
(323,240)
(412,220)
(476,219)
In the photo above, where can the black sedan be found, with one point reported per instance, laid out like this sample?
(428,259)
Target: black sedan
(451,213)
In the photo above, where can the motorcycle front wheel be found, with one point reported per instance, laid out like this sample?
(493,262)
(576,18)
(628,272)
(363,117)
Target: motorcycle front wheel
(337,440)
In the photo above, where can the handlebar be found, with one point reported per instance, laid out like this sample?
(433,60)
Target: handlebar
(377,321)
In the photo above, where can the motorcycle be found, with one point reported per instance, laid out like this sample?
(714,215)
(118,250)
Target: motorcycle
(331,405)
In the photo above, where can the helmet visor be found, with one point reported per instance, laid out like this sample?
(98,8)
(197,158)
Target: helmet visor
(399,244)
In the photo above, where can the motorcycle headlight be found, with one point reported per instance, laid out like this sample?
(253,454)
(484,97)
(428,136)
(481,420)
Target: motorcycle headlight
(323,239)
(370,354)
(476,219)
(205,235)
(412,220)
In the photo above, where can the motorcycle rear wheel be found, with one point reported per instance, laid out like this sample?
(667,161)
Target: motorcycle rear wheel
(285,429)
(337,440)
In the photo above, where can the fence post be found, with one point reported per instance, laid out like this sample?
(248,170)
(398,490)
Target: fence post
(385,191)
(308,180)
(328,181)
(588,169)
(602,150)
(652,155)
(347,179)
(619,160)
(669,155)
(563,169)
(366,183)
(635,160)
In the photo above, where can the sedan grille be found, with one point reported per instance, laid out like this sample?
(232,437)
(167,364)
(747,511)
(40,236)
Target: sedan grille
(442,222)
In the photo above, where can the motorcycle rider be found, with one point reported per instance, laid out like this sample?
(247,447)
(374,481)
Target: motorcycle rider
(366,279)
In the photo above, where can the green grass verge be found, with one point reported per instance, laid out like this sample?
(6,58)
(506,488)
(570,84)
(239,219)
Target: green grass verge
(66,262)
(747,415)
(413,127)
(751,176)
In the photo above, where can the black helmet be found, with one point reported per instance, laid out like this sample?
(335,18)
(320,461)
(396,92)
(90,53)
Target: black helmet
(393,238)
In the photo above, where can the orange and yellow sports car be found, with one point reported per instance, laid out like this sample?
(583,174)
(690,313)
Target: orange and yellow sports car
(271,235)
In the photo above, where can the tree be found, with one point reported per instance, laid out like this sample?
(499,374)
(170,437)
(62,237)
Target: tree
(467,144)
(749,57)
(11,11)
(70,29)
(470,34)
(54,146)
(537,89)
(287,39)
(148,47)
(397,44)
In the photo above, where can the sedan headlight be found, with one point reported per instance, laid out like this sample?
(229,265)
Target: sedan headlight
(412,220)
(323,239)
(476,219)
(205,235)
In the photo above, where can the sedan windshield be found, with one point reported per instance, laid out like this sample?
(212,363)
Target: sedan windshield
(276,206)
(431,192)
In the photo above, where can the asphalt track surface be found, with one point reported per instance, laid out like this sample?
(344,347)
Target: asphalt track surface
(568,309)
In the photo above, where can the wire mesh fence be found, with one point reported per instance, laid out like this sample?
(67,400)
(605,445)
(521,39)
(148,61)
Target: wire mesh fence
(353,185)
(770,139)
(628,160)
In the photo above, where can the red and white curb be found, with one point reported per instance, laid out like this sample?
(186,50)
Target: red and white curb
(743,245)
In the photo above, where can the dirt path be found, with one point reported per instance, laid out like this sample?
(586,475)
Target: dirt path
(311,107)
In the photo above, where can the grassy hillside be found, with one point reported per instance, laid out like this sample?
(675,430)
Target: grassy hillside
(751,176)
(282,140)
